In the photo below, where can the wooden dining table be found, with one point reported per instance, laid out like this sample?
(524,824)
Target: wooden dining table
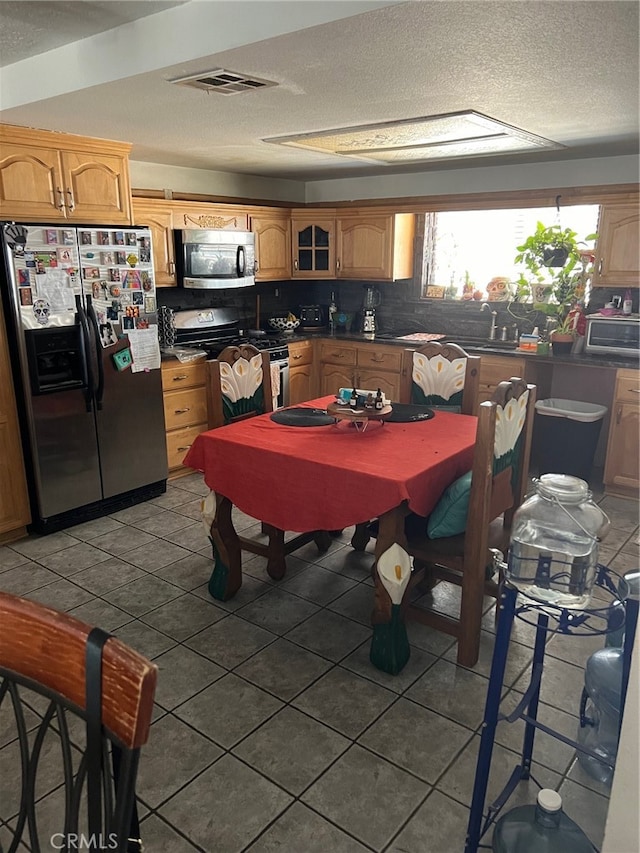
(309,479)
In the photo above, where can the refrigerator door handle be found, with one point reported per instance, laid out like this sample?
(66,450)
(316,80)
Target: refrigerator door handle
(86,342)
(94,322)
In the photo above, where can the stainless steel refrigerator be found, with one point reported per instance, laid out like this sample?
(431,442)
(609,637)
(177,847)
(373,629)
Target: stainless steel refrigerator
(82,326)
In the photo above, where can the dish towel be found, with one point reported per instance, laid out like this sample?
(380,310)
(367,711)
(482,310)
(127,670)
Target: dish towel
(275,380)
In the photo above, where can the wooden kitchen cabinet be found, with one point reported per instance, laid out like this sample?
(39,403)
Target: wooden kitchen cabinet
(158,217)
(375,247)
(313,243)
(192,215)
(355,246)
(55,177)
(185,409)
(618,247)
(300,372)
(14,501)
(348,365)
(622,466)
(272,232)
(495,369)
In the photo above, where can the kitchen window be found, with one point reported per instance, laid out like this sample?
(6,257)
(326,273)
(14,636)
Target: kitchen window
(474,246)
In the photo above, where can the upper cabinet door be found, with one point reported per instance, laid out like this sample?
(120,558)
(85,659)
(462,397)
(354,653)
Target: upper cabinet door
(159,219)
(31,186)
(618,246)
(273,247)
(96,187)
(365,248)
(313,248)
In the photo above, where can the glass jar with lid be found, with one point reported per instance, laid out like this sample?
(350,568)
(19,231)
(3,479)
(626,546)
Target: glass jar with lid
(554,542)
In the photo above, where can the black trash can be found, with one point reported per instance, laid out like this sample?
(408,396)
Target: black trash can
(565,436)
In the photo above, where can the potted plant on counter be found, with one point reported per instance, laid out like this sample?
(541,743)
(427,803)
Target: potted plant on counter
(555,288)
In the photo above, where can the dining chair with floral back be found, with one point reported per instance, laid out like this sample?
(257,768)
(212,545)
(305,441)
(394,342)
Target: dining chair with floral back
(76,708)
(437,375)
(239,385)
(441,375)
(474,515)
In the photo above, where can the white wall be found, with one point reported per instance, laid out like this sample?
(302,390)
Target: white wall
(154,176)
(569,173)
(603,170)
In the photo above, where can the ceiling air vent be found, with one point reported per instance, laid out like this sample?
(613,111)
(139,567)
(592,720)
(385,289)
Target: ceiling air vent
(224,82)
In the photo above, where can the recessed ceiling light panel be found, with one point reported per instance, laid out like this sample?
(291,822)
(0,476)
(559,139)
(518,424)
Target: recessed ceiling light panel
(442,137)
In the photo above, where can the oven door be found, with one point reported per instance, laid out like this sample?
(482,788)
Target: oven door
(212,260)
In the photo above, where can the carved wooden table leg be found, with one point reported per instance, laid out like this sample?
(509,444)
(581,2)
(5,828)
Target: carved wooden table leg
(276,565)
(389,644)
(360,538)
(226,578)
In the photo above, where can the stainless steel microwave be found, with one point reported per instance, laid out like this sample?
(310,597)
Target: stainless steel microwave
(616,335)
(210,260)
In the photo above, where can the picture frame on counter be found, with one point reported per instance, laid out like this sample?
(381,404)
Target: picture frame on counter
(435,291)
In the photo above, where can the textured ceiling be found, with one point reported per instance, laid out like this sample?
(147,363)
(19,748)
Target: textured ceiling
(566,71)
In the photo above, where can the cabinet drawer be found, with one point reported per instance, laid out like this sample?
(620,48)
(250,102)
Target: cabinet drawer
(337,354)
(300,353)
(628,386)
(178,376)
(389,359)
(179,441)
(185,408)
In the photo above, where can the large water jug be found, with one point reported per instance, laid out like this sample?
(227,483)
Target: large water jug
(600,712)
(543,828)
(554,542)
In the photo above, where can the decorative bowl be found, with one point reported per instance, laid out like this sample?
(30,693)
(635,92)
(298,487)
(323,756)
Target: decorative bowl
(282,324)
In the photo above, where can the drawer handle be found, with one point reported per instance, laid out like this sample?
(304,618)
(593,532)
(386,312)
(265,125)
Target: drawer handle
(634,390)
(619,415)
(295,357)
(180,378)
(377,358)
(184,449)
(181,411)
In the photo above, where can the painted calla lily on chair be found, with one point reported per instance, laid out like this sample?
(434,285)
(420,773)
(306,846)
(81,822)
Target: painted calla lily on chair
(439,379)
(241,379)
(394,568)
(509,423)
(389,645)
(241,384)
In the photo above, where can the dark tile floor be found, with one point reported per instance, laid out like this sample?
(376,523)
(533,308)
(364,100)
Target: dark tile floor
(272,731)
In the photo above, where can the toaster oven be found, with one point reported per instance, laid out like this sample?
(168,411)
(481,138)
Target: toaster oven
(616,335)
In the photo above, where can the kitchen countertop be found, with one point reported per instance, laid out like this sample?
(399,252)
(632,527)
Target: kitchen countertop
(478,347)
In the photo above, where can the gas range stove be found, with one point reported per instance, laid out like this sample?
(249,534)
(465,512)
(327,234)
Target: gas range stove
(276,347)
(213,329)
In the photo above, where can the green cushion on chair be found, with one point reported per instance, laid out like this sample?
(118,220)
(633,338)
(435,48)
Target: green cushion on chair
(449,516)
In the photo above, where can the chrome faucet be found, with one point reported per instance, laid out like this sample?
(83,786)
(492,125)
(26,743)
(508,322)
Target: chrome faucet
(494,321)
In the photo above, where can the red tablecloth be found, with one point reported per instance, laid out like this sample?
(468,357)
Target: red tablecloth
(330,477)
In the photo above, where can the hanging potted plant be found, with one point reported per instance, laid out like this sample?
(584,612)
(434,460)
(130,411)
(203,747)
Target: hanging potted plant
(562,287)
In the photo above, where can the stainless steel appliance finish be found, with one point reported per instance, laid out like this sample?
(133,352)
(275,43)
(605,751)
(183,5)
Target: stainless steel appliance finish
(615,335)
(213,329)
(211,260)
(95,434)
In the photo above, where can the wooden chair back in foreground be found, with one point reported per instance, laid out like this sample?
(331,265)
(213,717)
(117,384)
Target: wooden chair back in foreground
(441,375)
(239,385)
(44,668)
(497,488)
